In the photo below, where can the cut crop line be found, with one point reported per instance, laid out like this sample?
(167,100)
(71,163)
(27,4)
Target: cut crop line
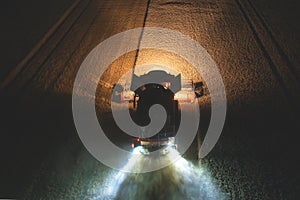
(140,38)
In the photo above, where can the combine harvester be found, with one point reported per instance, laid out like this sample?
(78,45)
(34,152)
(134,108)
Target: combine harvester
(168,93)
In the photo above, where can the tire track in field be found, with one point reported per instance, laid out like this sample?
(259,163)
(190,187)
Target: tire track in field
(82,41)
(11,76)
(40,69)
(265,52)
(51,84)
(283,55)
(24,83)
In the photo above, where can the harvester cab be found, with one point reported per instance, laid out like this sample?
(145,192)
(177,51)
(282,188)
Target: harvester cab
(158,87)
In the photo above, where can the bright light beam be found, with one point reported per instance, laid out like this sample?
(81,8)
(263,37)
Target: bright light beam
(195,181)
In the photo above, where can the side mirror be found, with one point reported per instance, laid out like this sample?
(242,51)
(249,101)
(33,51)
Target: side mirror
(198,88)
(117,91)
